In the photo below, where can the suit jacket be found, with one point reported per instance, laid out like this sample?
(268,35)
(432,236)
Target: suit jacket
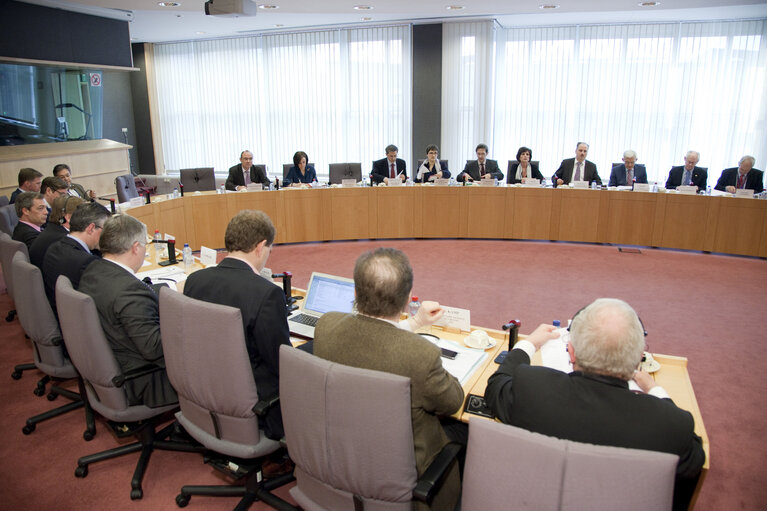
(618,175)
(15,194)
(49,235)
(472,169)
(699,177)
(130,316)
(294,175)
(512,177)
(235,178)
(566,168)
(80,191)
(25,234)
(729,177)
(264,319)
(381,169)
(368,343)
(593,409)
(428,174)
(64,257)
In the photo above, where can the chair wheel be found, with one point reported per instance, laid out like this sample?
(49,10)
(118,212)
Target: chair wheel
(29,428)
(182,500)
(81,471)
(52,396)
(39,391)
(88,435)
(16,375)
(136,494)
(10,316)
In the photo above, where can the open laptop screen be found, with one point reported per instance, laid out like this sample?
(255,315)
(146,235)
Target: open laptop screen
(329,294)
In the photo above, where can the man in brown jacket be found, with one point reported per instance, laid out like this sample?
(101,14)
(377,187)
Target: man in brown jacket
(374,339)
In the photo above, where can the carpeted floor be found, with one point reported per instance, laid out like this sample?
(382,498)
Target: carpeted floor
(702,306)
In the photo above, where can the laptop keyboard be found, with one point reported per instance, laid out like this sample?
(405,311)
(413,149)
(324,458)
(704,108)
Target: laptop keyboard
(305,319)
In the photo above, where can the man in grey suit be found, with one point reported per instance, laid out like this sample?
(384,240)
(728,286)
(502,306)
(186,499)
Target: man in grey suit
(129,310)
(628,173)
(373,339)
(577,169)
(62,171)
(481,168)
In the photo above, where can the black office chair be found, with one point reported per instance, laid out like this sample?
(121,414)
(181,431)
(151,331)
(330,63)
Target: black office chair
(126,188)
(199,179)
(340,171)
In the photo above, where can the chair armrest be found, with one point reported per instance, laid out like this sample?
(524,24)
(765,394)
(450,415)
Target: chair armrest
(120,379)
(431,480)
(264,405)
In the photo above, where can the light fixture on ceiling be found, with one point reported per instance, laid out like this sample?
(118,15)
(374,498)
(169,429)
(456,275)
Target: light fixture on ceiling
(168,4)
(648,4)
(546,7)
(454,7)
(367,18)
(268,6)
(362,7)
(200,32)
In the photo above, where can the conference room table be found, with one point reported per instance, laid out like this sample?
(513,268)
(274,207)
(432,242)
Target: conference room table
(721,224)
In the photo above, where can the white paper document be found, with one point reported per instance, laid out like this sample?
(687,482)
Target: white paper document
(170,275)
(465,363)
(554,353)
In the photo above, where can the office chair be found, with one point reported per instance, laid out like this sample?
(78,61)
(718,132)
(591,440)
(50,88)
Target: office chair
(126,188)
(341,171)
(38,321)
(8,219)
(4,200)
(510,177)
(509,464)
(216,391)
(350,434)
(104,386)
(199,179)
(8,249)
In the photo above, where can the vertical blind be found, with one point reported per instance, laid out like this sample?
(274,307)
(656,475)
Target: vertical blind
(338,95)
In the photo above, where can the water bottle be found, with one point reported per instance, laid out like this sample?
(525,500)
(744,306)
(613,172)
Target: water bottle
(188,258)
(175,193)
(708,190)
(414,306)
(222,189)
(156,238)
(556,323)
(593,185)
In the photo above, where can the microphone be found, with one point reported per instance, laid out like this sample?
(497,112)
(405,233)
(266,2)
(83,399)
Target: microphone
(181,187)
(513,328)
(287,288)
(171,252)
(146,194)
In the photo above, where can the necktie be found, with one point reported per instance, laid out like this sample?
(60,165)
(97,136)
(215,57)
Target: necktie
(391,172)
(246,176)
(481,169)
(578,172)
(741,181)
(687,178)
(629,177)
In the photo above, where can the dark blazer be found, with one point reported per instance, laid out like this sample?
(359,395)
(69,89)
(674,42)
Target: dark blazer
(49,235)
(235,178)
(729,177)
(64,257)
(472,169)
(80,191)
(15,194)
(294,175)
(618,175)
(512,177)
(264,318)
(381,169)
(427,175)
(361,341)
(25,234)
(566,168)
(130,316)
(699,177)
(593,409)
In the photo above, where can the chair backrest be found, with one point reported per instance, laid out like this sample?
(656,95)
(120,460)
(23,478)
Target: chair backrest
(126,188)
(199,179)
(4,200)
(91,354)
(8,219)
(37,319)
(349,432)
(208,365)
(510,176)
(340,171)
(286,168)
(8,248)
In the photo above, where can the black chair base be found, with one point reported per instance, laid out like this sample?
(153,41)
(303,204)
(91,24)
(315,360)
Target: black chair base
(16,374)
(148,441)
(255,489)
(77,402)
(11,315)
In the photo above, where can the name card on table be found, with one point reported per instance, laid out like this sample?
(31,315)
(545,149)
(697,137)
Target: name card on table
(137,201)
(348,183)
(579,184)
(487,182)
(687,190)
(531,181)
(394,181)
(255,187)
(459,319)
(744,192)
(207,256)
(441,182)
(641,187)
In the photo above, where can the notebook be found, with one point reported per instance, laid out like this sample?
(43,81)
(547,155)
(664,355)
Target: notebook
(326,293)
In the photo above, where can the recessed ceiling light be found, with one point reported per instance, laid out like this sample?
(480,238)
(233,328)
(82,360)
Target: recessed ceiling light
(454,7)
(268,6)
(366,18)
(649,4)
(548,6)
(362,7)
(278,25)
(199,32)
(168,4)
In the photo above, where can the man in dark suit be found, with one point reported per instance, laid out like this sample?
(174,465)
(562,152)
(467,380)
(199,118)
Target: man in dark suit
(56,228)
(629,172)
(577,169)
(71,254)
(481,168)
(31,210)
(593,404)
(236,282)
(390,167)
(373,339)
(244,173)
(742,176)
(688,174)
(129,310)
(29,181)
(63,172)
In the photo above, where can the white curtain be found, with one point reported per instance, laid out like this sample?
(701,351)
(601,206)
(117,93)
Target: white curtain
(659,89)
(338,95)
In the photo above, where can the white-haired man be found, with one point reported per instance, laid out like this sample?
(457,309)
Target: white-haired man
(688,174)
(744,176)
(629,172)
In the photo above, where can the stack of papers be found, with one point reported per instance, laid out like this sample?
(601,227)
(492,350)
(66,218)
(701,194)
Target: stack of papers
(464,364)
(170,275)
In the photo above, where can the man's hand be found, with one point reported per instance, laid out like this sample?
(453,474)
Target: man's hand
(241,188)
(428,314)
(560,182)
(730,189)
(386,180)
(542,335)
(91,194)
(644,380)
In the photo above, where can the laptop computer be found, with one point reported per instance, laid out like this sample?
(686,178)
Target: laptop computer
(326,293)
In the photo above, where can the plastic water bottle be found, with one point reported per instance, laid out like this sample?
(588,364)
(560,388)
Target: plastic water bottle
(708,190)
(188,258)
(222,189)
(414,306)
(156,246)
(556,323)
(593,185)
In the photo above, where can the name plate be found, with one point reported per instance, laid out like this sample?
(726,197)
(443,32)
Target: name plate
(531,181)
(687,190)
(348,183)
(579,184)
(487,182)
(255,187)
(744,192)
(641,187)
(454,317)
(394,181)
(137,201)
(442,182)
(207,256)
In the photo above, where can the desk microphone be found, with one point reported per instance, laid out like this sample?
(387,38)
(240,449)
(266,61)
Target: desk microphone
(181,188)
(171,252)
(513,328)
(146,194)
(290,300)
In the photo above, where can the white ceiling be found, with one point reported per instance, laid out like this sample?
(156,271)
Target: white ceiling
(150,22)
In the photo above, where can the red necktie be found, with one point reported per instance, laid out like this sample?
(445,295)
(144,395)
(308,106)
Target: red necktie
(741,180)
(391,172)
(481,169)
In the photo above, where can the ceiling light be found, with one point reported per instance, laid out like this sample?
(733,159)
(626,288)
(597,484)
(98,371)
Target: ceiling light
(649,4)
(199,32)
(548,6)
(366,18)
(278,25)
(268,6)
(454,7)
(168,4)
(362,7)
